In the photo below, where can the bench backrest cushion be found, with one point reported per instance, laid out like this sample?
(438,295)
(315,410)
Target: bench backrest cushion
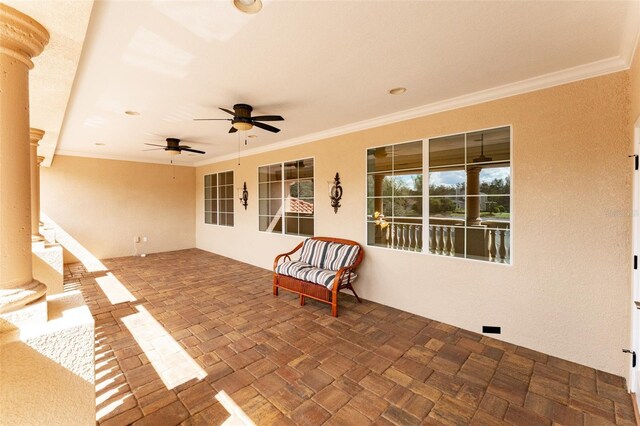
(340,255)
(314,252)
(328,255)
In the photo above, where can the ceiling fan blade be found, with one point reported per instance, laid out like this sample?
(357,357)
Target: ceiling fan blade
(191,150)
(227,111)
(185,147)
(211,119)
(153,144)
(153,149)
(268,118)
(266,127)
(233,130)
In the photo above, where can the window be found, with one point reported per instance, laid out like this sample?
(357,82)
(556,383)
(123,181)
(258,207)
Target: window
(394,196)
(470,195)
(218,198)
(286,197)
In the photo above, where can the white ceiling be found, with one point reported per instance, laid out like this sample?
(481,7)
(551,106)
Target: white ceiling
(326,66)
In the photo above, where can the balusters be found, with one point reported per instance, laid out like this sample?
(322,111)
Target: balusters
(492,245)
(396,237)
(418,237)
(446,232)
(442,240)
(432,241)
(393,230)
(452,238)
(503,249)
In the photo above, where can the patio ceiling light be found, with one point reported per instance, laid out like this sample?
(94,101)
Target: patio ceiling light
(248,6)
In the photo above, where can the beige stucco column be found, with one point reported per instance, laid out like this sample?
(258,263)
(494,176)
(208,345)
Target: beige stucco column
(473,203)
(39,160)
(35,136)
(21,38)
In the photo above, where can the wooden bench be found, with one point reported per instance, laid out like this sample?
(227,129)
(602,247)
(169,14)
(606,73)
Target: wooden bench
(326,266)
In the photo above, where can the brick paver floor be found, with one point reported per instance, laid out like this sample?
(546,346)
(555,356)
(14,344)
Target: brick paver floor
(201,323)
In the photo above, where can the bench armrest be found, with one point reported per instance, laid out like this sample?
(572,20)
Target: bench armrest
(347,269)
(285,256)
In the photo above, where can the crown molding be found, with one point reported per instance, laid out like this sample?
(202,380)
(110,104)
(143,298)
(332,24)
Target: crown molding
(631,34)
(569,75)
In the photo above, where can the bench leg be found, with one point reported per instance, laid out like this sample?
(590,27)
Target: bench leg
(301,300)
(334,308)
(350,287)
(275,290)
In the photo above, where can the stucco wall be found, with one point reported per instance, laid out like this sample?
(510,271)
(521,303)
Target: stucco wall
(634,74)
(105,204)
(567,292)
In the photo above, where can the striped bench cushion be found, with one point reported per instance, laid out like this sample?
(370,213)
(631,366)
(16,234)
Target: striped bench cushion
(327,255)
(313,252)
(304,271)
(339,255)
(292,268)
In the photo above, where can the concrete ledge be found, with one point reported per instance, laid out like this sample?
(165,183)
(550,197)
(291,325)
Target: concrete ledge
(35,313)
(47,370)
(47,260)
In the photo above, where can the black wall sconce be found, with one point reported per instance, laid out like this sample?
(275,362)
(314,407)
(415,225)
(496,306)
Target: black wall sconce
(243,194)
(335,193)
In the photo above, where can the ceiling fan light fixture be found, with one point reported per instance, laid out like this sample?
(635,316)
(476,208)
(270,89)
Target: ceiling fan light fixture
(248,6)
(173,151)
(241,125)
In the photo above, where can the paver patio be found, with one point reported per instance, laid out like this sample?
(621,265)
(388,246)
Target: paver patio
(201,323)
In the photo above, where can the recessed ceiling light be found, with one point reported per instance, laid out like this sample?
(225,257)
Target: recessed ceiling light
(252,136)
(100,143)
(132,112)
(248,6)
(397,90)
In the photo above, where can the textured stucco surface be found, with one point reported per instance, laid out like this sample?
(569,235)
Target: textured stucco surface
(52,77)
(48,266)
(105,204)
(47,369)
(634,77)
(33,313)
(567,292)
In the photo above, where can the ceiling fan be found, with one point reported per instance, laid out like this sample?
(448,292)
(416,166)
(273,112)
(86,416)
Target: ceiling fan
(173,147)
(242,119)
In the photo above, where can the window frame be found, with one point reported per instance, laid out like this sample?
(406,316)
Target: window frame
(218,199)
(425,198)
(425,231)
(283,198)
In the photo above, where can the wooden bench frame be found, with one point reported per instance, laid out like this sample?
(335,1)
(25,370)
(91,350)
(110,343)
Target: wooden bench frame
(313,290)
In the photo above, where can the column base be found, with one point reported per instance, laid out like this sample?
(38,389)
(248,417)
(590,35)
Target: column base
(12,299)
